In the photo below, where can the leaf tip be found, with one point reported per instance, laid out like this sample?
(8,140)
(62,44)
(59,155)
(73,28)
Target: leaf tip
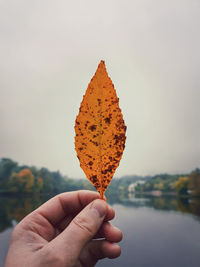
(102,63)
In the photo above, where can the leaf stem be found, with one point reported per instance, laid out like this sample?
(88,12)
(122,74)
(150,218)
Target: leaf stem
(101,195)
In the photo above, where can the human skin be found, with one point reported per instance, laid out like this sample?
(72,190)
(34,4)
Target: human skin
(71,229)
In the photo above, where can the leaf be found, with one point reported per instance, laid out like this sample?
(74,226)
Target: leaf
(100,131)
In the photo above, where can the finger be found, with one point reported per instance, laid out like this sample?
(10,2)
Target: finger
(99,249)
(81,229)
(110,214)
(104,249)
(67,219)
(109,232)
(64,204)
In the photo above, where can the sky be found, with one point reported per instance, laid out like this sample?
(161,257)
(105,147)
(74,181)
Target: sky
(49,51)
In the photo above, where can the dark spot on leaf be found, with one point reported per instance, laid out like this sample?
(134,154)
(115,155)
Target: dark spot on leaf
(118,153)
(94,179)
(92,127)
(107,120)
(99,101)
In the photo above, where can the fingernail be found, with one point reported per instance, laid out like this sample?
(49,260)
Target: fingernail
(100,207)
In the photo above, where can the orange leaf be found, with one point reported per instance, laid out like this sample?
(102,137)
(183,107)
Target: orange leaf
(100,131)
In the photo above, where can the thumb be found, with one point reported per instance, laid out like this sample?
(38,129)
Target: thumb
(81,229)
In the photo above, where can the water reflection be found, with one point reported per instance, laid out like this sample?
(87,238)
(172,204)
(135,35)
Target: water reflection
(15,208)
(168,203)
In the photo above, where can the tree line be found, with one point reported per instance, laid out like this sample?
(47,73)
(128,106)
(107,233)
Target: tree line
(17,178)
(26,179)
(182,184)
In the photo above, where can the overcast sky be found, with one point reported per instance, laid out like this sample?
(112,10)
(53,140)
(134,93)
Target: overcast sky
(49,51)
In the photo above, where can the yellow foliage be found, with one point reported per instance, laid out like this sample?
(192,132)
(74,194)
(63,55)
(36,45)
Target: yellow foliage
(182,185)
(22,181)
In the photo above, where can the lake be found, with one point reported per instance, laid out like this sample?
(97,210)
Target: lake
(158,231)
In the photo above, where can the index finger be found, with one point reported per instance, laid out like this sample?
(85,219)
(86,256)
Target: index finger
(65,204)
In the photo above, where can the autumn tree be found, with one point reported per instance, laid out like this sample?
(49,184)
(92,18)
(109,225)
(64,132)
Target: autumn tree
(182,185)
(22,181)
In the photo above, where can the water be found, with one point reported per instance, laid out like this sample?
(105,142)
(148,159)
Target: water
(158,231)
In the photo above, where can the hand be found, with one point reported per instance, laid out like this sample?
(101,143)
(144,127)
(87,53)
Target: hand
(65,231)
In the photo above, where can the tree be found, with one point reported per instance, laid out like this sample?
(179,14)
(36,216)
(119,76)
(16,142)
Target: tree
(47,178)
(7,167)
(194,182)
(182,185)
(38,184)
(22,181)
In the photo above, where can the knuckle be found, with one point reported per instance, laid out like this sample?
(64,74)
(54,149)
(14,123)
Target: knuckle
(84,225)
